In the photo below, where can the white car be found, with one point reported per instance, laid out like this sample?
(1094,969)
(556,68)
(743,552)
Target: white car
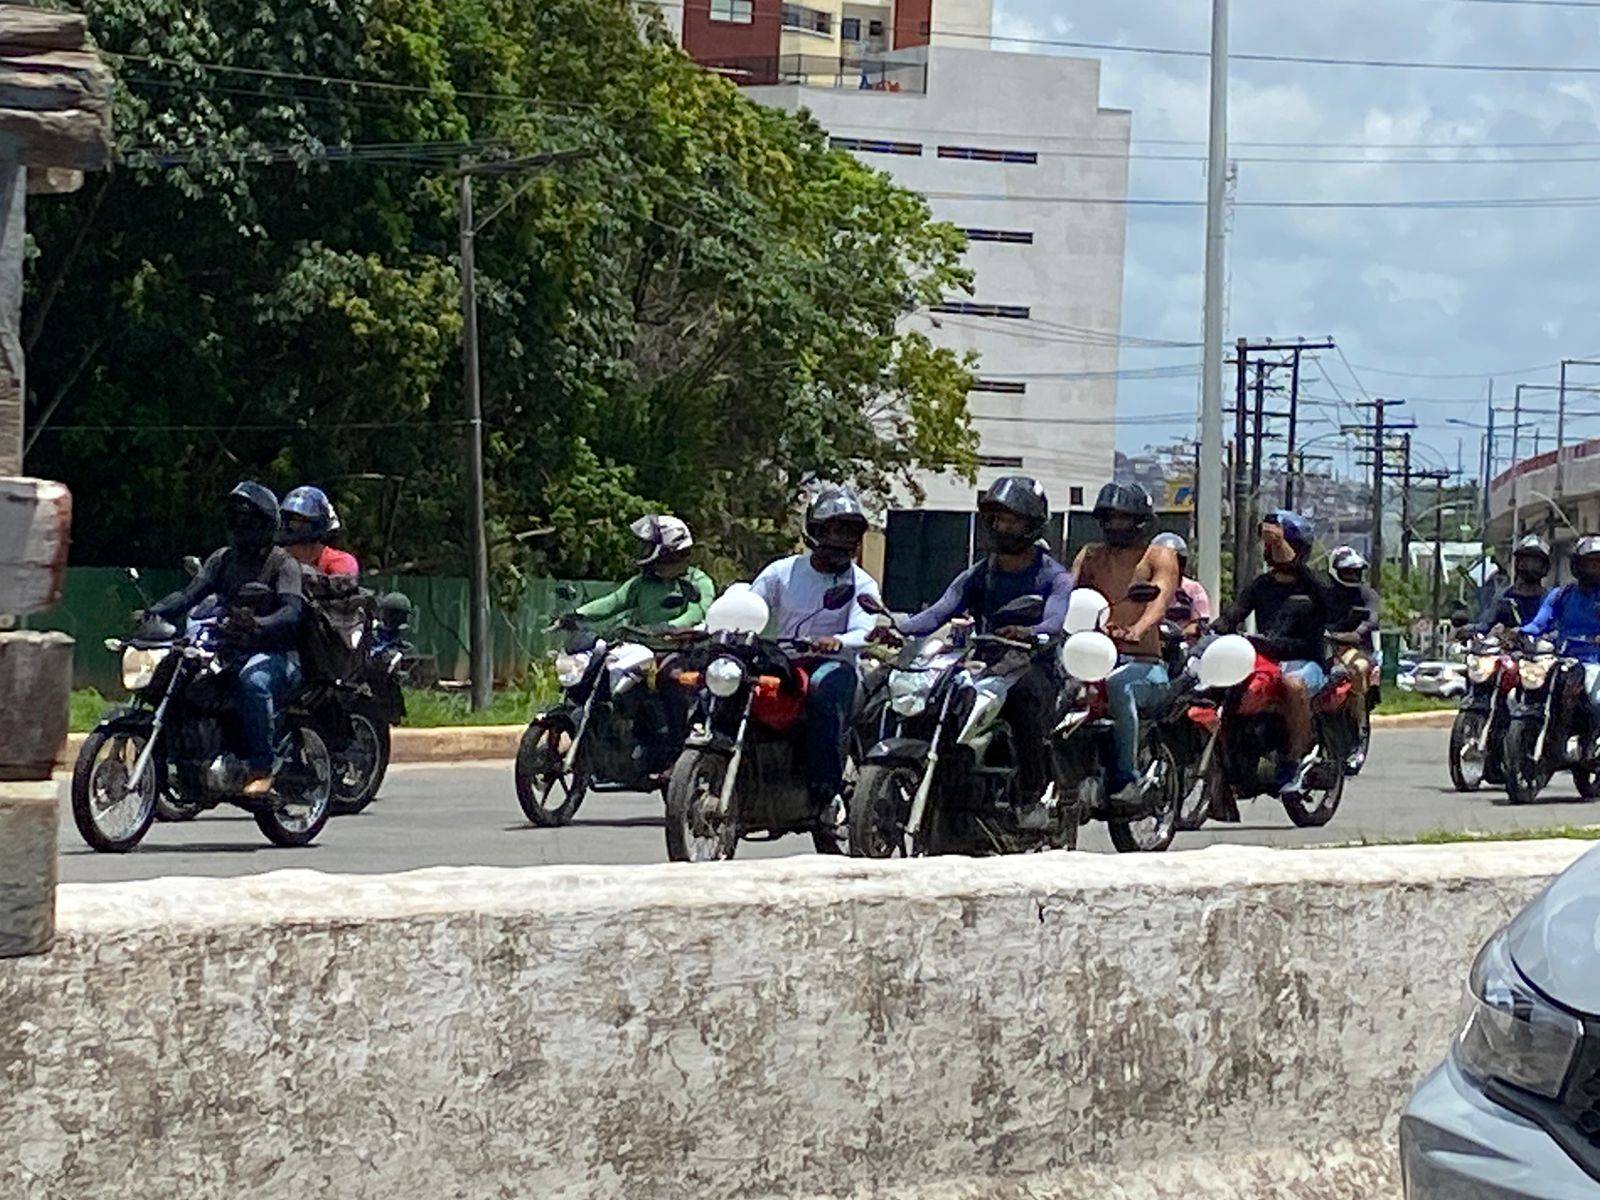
(1446,680)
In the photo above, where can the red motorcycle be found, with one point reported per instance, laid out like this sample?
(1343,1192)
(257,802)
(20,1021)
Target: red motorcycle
(1249,757)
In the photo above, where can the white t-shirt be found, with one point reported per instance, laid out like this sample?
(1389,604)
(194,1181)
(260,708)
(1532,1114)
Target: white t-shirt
(793,590)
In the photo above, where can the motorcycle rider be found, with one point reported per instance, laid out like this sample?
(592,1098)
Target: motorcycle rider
(1124,557)
(1191,607)
(1294,631)
(1014,510)
(266,642)
(308,524)
(1572,613)
(664,570)
(1519,602)
(1355,636)
(794,589)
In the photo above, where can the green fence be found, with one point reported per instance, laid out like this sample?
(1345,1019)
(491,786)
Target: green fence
(96,604)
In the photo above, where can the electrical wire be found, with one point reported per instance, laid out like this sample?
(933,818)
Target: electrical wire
(1439,204)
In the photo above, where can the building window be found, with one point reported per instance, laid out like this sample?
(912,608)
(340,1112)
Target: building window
(1075,495)
(1000,460)
(850,29)
(1016,237)
(978,154)
(1006,387)
(737,12)
(875,29)
(1012,312)
(875,146)
(798,16)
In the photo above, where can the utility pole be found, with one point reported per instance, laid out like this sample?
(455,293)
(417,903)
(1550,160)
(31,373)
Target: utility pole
(480,649)
(1209,497)
(1241,534)
(1488,460)
(1405,506)
(1379,427)
(1516,467)
(1294,420)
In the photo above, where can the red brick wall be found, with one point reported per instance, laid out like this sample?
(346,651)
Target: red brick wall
(912,20)
(748,54)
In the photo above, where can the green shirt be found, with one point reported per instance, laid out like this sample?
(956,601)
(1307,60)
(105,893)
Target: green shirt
(638,601)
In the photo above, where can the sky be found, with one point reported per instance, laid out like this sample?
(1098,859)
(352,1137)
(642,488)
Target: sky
(1425,304)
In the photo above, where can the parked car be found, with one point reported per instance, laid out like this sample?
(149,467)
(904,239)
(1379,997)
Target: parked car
(1447,680)
(1513,1112)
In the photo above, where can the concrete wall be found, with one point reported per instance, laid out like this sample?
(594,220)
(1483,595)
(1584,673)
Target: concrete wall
(1228,1022)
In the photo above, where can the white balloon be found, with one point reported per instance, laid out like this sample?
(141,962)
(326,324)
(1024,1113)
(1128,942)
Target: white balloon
(1086,608)
(737,610)
(1089,656)
(1227,661)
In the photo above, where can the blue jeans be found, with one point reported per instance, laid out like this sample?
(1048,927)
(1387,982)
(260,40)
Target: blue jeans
(264,680)
(1133,684)
(828,705)
(1307,672)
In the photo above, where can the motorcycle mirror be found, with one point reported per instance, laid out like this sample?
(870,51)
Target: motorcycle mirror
(191,565)
(675,603)
(838,597)
(872,605)
(1143,593)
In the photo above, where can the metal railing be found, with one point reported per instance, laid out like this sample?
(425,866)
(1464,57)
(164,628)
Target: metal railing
(825,71)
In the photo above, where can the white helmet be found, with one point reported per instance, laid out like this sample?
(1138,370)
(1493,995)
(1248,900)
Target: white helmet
(661,535)
(1347,558)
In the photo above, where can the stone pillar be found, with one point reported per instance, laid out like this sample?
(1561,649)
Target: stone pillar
(27,868)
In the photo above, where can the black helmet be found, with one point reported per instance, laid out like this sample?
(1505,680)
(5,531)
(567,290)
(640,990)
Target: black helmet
(1128,500)
(1532,544)
(1022,496)
(835,504)
(315,520)
(394,610)
(252,516)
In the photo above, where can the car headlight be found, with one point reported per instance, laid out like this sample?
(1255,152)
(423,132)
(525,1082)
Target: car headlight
(724,677)
(1535,671)
(139,667)
(1512,1034)
(571,668)
(909,690)
(1480,667)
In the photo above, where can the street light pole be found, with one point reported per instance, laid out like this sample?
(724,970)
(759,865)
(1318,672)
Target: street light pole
(1209,551)
(480,650)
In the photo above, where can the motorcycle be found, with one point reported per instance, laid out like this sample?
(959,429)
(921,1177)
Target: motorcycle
(742,772)
(947,781)
(1551,726)
(1479,731)
(177,738)
(1249,756)
(1083,744)
(610,732)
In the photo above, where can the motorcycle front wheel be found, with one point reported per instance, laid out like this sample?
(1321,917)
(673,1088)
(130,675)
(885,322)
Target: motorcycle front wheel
(361,764)
(302,795)
(880,811)
(697,830)
(111,818)
(1466,760)
(1525,778)
(1152,834)
(547,791)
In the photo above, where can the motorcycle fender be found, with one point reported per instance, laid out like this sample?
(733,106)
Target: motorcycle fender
(909,752)
(126,720)
(564,714)
(709,740)
(1523,709)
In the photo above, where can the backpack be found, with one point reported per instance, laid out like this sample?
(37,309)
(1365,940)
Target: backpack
(336,634)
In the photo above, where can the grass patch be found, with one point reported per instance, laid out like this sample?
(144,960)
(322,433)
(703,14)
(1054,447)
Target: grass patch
(1448,837)
(1396,701)
(424,709)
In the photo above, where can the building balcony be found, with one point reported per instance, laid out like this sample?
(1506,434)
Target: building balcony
(849,72)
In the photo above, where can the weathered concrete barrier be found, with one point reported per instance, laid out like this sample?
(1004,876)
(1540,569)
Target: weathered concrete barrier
(1230,1022)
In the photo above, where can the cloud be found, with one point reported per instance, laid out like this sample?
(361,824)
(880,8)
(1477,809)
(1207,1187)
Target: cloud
(1417,290)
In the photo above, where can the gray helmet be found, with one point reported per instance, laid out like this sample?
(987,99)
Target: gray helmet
(834,503)
(252,516)
(1533,544)
(1588,547)
(662,535)
(1019,494)
(1127,498)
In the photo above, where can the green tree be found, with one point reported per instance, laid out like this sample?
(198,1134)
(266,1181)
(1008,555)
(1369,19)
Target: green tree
(702,310)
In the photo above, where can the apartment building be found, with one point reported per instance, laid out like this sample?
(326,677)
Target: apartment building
(1016,150)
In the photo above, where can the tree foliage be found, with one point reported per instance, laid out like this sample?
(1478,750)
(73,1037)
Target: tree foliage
(698,312)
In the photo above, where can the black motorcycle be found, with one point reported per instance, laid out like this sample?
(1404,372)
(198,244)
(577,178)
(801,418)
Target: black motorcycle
(611,731)
(947,781)
(1551,726)
(178,739)
(1479,731)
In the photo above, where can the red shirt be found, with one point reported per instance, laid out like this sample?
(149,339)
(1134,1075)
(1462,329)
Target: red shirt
(336,562)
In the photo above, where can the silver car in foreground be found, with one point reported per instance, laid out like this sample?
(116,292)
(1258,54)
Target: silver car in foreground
(1513,1113)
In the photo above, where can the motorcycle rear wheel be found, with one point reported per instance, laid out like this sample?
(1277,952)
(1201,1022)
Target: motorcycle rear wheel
(1525,779)
(1468,765)
(359,768)
(548,793)
(696,831)
(302,796)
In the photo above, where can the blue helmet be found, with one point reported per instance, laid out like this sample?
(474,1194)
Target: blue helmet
(308,516)
(1297,530)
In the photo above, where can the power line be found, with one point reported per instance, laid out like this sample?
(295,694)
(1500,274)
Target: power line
(1440,204)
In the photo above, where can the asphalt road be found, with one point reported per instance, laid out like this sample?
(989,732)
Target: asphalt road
(466,814)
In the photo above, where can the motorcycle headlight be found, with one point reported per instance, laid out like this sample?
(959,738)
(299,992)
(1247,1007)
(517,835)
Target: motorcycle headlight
(139,667)
(724,677)
(1480,667)
(1512,1034)
(571,668)
(1535,671)
(908,691)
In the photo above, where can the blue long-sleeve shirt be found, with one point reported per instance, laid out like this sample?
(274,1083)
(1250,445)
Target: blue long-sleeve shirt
(982,590)
(1572,613)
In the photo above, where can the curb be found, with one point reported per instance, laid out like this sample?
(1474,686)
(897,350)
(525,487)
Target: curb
(456,744)
(1442,718)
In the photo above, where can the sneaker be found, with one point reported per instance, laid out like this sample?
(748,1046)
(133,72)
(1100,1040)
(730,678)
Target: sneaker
(1130,800)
